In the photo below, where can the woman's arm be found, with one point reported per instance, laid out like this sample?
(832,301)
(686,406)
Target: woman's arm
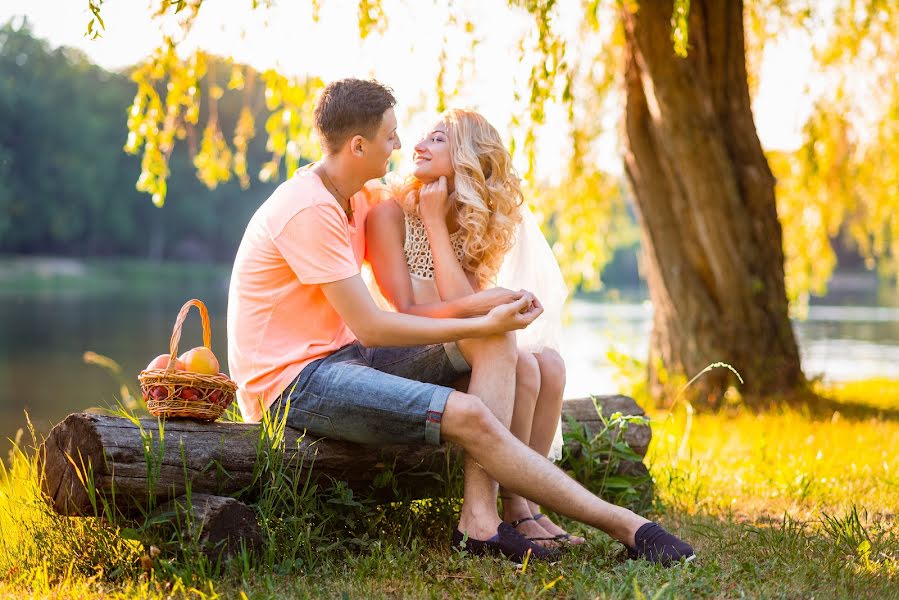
(384,234)
(452,280)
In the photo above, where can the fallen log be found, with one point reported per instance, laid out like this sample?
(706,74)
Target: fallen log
(95,465)
(216,525)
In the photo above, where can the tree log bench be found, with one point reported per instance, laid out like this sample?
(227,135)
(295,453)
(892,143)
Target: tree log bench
(136,467)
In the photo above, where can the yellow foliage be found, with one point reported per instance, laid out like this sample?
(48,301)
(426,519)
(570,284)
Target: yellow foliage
(843,181)
(213,161)
(290,134)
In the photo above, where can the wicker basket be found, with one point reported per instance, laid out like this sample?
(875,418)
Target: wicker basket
(172,393)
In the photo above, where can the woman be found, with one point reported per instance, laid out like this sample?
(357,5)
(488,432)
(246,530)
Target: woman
(444,237)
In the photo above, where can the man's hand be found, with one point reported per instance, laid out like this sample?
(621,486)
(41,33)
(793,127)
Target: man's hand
(514,315)
(433,202)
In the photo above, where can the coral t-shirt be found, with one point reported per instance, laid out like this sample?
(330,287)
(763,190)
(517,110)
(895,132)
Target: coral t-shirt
(278,318)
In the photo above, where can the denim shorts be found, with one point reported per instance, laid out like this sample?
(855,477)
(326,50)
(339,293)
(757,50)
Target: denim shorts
(375,396)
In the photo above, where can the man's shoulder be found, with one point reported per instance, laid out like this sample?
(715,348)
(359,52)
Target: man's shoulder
(300,192)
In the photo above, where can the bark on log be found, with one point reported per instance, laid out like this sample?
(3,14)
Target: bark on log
(135,467)
(217,524)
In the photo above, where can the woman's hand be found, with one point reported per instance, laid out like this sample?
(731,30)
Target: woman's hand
(486,300)
(434,203)
(514,315)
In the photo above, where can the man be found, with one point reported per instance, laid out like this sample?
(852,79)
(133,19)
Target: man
(302,326)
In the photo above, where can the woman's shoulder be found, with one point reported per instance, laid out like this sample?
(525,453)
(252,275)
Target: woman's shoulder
(386,215)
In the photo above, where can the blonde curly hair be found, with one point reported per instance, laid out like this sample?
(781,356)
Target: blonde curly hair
(488,192)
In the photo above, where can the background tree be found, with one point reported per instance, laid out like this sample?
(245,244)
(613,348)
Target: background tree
(66,187)
(703,188)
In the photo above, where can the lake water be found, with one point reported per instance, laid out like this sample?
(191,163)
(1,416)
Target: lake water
(44,333)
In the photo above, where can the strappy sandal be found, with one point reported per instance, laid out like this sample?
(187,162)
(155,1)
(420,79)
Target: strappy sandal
(562,538)
(518,522)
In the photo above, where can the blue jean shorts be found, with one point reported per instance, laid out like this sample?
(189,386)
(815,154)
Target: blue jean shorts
(375,396)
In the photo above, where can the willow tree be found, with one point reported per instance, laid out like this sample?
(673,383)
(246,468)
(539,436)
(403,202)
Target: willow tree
(713,241)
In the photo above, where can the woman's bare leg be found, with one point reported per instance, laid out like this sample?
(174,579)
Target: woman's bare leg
(527,387)
(547,412)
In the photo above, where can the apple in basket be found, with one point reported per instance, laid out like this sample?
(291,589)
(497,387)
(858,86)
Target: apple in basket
(190,394)
(200,360)
(162,361)
(158,392)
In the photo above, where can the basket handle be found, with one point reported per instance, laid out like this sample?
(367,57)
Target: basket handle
(179,322)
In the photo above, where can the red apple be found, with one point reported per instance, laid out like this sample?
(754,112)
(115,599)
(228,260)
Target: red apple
(162,362)
(190,394)
(158,392)
(200,360)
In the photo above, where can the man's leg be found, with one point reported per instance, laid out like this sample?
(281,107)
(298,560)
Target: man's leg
(493,362)
(468,423)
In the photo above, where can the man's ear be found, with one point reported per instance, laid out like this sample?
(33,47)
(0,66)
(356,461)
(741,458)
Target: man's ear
(357,145)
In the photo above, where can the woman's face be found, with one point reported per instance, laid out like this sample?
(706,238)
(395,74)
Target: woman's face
(432,156)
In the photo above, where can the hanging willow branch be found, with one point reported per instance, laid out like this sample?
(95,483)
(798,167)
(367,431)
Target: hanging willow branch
(578,75)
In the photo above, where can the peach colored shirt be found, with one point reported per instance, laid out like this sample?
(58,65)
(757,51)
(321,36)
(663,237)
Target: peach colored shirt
(278,318)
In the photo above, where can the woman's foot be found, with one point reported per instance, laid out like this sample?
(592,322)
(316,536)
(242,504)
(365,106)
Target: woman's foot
(528,527)
(552,529)
(517,514)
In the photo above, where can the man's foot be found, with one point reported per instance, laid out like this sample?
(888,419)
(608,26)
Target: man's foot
(507,542)
(656,545)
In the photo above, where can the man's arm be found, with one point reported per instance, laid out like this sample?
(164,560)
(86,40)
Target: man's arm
(375,327)
(384,233)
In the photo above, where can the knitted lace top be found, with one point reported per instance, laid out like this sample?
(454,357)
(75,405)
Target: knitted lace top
(418,250)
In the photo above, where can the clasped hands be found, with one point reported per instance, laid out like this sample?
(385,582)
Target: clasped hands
(504,308)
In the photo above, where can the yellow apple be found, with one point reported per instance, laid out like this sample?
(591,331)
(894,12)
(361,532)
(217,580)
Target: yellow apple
(200,360)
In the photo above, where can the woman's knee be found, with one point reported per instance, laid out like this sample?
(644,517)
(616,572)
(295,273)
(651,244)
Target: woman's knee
(551,363)
(527,373)
(552,368)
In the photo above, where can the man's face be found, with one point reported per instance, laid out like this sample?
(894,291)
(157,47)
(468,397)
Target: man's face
(379,148)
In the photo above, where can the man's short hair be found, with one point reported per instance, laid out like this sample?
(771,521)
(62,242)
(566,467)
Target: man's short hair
(348,107)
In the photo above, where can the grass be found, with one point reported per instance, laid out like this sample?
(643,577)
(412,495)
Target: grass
(791,503)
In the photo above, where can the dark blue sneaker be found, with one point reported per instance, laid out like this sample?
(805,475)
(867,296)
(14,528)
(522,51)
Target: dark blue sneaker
(507,542)
(658,546)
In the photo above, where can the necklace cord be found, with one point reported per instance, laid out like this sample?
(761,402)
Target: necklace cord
(349,209)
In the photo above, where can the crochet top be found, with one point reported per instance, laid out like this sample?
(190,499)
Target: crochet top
(418,250)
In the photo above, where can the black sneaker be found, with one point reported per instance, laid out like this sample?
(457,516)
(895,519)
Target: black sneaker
(658,546)
(507,542)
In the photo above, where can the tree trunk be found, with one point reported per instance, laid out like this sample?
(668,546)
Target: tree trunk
(704,196)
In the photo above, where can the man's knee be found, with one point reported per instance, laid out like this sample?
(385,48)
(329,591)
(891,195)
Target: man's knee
(499,347)
(465,418)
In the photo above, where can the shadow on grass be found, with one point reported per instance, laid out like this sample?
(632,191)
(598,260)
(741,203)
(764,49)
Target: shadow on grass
(823,408)
(872,402)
